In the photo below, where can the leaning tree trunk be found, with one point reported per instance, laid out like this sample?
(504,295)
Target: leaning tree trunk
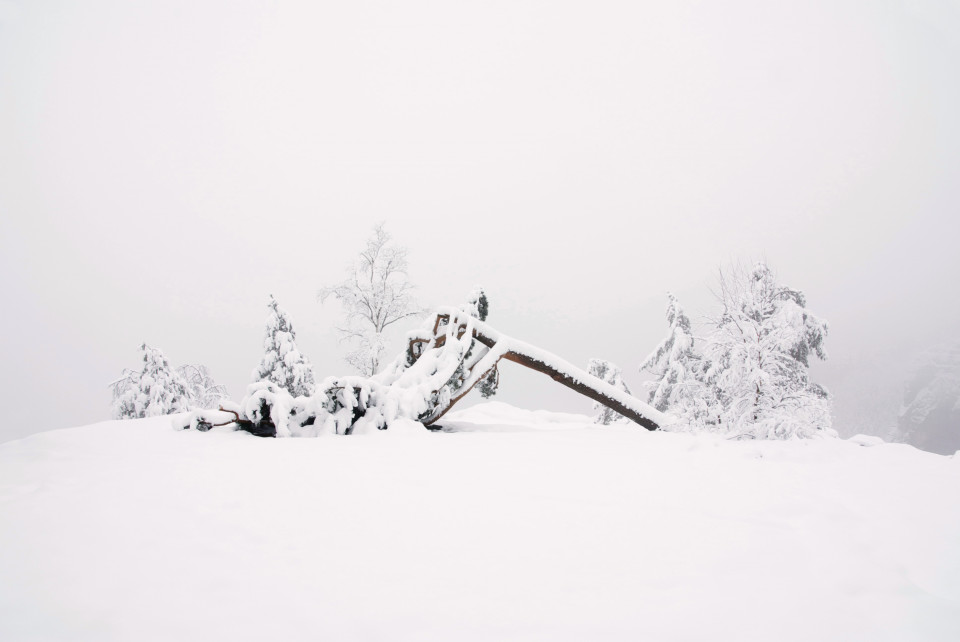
(531,357)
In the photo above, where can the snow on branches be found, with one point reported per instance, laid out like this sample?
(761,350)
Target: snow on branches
(611,374)
(156,389)
(477,304)
(202,390)
(478,307)
(444,360)
(282,362)
(749,377)
(375,295)
(679,386)
(759,352)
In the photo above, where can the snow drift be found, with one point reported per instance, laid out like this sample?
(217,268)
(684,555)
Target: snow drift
(506,525)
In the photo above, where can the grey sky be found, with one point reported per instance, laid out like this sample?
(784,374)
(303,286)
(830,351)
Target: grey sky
(165,166)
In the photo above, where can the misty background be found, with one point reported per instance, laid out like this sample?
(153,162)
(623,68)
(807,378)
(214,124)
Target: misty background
(166,166)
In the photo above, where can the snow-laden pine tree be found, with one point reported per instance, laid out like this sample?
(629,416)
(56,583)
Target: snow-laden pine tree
(608,373)
(679,388)
(125,391)
(202,390)
(478,307)
(157,389)
(760,351)
(282,362)
(375,295)
(490,383)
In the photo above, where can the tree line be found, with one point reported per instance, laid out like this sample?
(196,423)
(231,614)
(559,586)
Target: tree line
(744,373)
(747,372)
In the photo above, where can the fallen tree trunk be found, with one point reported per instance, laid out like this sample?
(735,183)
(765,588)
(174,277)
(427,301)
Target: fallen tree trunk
(442,363)
(536,359)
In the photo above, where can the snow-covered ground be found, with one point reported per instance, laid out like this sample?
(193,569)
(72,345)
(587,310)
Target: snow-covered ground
(509,525)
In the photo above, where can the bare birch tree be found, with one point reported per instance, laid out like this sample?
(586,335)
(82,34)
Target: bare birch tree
(375,295)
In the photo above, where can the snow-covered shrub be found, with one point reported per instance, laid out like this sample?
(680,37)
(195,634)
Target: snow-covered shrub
(282,362)
(611,374)
(759,353)
(157,389)
(124,391)
(202,390)
(356,405)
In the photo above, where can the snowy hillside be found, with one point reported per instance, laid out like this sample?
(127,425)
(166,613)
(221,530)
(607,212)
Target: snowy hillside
(508,525)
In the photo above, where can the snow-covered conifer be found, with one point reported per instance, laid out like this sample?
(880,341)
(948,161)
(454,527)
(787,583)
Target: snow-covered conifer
(125,391)
(156,390)
(478,307)
(680,387)
(477,304)
(760,352)
(611,374)
(489,384)
(282,362)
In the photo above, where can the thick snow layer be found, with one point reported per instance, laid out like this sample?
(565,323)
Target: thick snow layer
(506,525)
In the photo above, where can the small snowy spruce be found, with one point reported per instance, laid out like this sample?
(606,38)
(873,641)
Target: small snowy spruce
(760,351)
(157,389)
(282,363)
(478,307)
(611,374)
(375,295)
(679,369)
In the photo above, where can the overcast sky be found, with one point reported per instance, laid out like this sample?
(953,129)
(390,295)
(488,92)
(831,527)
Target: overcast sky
(165,166)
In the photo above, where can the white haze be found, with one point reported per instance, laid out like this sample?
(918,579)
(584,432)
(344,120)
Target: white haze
(166,166)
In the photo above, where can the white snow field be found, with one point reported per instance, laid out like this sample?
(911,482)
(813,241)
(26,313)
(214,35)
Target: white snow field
(509,525)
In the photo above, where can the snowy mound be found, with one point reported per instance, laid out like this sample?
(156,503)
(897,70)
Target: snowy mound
(496,416)
(507,524)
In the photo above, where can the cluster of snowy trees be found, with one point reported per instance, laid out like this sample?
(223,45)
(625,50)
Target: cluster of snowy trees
(375,295)
(748,373)
(451,353)
(745,373)
(158,389)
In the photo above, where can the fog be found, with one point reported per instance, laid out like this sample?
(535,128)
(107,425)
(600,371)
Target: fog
(165,166)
